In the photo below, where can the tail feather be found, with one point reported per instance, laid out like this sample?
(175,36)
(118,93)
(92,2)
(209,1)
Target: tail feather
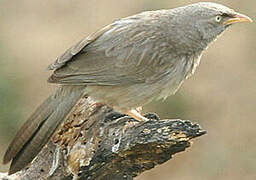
(38,129)
(27,130)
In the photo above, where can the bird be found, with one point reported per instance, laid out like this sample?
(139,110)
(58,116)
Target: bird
(125,65)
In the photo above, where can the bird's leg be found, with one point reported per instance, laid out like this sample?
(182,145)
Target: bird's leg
(139,109)
(136,115)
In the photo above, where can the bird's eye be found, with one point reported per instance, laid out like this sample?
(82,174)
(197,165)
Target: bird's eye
(218,18)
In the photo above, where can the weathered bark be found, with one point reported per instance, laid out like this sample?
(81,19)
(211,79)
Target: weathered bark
(96,142)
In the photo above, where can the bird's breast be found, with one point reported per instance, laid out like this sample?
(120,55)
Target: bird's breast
(183,68)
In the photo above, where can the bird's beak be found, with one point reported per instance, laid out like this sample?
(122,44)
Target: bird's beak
(236,18)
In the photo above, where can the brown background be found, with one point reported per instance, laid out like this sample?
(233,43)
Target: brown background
(221,96)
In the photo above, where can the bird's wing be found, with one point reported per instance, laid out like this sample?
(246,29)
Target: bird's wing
(76,49)
(127,51)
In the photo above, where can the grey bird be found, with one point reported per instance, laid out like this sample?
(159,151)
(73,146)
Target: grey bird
(125,65)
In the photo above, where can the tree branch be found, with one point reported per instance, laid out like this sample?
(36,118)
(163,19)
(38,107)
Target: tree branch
(98,143)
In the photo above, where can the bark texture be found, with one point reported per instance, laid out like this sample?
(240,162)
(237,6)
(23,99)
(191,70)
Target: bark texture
(97,143)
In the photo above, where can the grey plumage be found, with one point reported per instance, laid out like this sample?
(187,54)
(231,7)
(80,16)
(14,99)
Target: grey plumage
(124,65)
(37,130)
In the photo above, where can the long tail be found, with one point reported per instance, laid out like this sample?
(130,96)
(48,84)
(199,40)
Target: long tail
(39,128)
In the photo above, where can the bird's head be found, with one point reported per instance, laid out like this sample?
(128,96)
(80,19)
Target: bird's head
(204,21)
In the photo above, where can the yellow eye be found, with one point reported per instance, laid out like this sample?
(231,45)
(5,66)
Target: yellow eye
(218,18)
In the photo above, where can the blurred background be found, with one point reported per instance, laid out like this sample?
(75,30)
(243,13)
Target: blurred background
(221,96)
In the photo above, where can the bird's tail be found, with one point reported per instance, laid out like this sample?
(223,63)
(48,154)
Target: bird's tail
(39,128)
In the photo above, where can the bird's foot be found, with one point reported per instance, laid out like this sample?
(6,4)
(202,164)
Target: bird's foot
(136,115)
(139,109)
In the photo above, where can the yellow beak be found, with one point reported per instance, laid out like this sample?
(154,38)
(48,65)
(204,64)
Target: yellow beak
(237,17)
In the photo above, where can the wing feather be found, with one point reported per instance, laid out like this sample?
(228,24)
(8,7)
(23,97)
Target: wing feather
(125,52)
